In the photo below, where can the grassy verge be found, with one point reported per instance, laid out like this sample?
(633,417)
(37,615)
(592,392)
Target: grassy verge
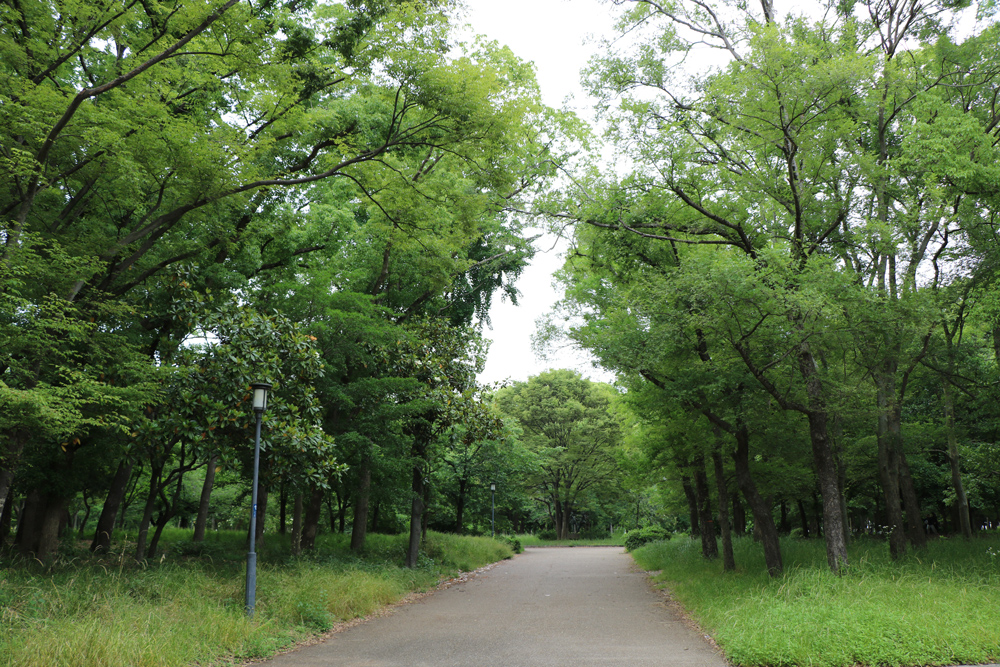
(937,607)
(616,540)
(187,609)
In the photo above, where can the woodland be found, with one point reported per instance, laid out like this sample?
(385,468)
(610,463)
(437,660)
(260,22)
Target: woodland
(790,267)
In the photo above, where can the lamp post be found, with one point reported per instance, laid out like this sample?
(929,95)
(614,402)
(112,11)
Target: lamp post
(493,513)
(259,405)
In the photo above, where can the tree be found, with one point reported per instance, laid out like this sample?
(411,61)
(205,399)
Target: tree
(776,194)
(567,424)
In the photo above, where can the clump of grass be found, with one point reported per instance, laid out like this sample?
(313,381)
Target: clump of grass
(940,606)
(188,608)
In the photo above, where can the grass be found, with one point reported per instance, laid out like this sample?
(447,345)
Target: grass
(615,540)
(937,607)
(187,609)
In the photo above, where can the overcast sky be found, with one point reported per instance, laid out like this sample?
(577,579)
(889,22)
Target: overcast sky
(554,35)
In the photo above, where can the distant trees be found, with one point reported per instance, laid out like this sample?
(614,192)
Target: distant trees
(570,429)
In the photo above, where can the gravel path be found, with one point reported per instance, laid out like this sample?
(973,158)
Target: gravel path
(580,607)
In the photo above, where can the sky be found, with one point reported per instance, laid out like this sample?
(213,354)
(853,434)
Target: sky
(553,34)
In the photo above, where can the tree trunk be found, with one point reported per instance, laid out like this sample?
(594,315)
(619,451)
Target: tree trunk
(728,559)
(803,518)
(15,446)
(38,527)
(310,526)
(416,513)
(961,500)
(359,524)
(106,521)
(155,473)
(914,517)
(826,468)
(297,525)
(169,512)
(709,546)
(460,507)
(739,516)
(692,500)
(784,526)
(206,497)
(282,509)
(5,519)
(763,521)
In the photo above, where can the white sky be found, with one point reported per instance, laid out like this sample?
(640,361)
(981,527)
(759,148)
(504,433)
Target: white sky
(554,34)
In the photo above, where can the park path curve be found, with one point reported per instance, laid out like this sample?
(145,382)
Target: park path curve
(552,607)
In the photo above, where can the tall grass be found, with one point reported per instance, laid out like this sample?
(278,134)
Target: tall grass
(940,606)
(188,608)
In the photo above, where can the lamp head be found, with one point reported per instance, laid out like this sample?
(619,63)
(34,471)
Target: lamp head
(260,395)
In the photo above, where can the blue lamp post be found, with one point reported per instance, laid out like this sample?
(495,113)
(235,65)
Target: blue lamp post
(493,513)
(259,405)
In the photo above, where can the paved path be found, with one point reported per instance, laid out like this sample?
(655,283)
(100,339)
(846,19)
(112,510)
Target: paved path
(579,607)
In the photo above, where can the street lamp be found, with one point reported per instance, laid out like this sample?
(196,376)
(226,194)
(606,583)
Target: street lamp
(493,515)
(259,405)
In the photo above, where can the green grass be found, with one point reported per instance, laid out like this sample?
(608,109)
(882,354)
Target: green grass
(187,609)
(937,607)
(616,540)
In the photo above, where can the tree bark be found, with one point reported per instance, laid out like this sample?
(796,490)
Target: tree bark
(709,546)
(169,512)
(310,526)
(961,500)
(15,446)
(297,525)
(826,468)
(416,513)
(460,507)
(38,527)
(803,518)
(914,517)
(206,497)
(692,500)
(282,509)
(739,516)
(359,524)
(155,472)
(728,559)
(763,521)
(106,521)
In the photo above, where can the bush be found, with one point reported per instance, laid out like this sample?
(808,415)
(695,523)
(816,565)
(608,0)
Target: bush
(637,538)
(513,543)
(547,534)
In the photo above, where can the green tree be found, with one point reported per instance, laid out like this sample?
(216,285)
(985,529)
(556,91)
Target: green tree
(568,425)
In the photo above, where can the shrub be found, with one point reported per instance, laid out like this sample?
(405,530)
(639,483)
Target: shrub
(513,543)
(637,538)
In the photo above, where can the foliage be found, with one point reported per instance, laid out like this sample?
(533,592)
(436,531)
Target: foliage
(643,536)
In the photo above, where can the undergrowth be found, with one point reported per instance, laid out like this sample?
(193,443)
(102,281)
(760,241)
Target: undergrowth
(938,606)
(188,606)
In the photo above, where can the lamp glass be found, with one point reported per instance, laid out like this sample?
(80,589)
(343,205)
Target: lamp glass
(493,487)
(259,398)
